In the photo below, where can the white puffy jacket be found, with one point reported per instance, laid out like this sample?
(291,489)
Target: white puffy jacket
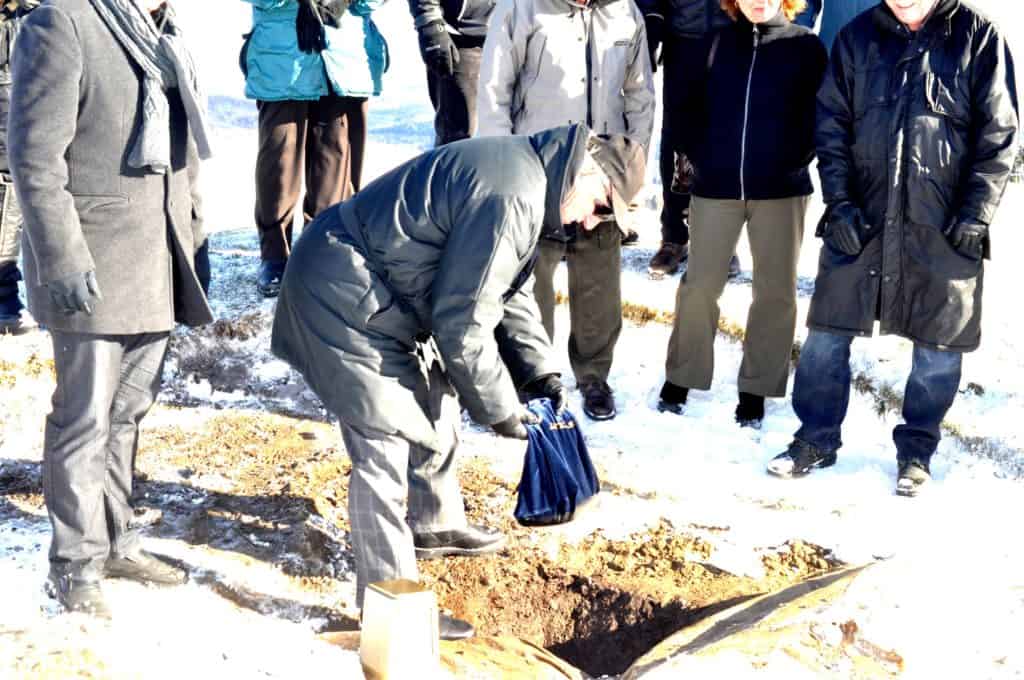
(548,63)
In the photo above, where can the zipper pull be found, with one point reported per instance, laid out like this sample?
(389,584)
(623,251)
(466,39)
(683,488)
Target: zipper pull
(757,37)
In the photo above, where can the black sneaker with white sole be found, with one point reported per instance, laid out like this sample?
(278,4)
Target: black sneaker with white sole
(913,475)
(799,460)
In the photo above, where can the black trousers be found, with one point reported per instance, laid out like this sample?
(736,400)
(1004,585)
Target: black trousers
(454,98)
(685,62)
(105,386)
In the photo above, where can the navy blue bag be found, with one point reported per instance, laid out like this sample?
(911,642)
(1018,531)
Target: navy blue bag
(558,475)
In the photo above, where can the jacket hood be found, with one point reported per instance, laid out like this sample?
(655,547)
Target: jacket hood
(561,151)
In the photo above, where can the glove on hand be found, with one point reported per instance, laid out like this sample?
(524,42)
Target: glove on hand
(73,293)
(655,26)
(548,386)
(968,237)
(309,27)
(844,228)
(438,50)
(514,427)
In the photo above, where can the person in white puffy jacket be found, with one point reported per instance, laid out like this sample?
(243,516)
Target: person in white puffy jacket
(548,63)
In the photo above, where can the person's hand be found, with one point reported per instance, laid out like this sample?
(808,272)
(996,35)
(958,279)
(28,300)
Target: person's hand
(514,427)
(550,387)
(309,27)
(438,51)
(968,237)
(75,293)
(331,11)
(655,28)
(844,228)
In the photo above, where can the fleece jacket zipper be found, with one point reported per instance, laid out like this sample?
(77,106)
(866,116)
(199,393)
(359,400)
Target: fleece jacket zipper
(746,116)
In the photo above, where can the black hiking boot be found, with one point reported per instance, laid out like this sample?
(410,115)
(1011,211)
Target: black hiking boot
(668,259)
(672,398)
(14,319)
(598,402)
(799,459)
(146,568)
(451,628)
(630,238)
(77,594)
(734,267)
(268,280)
(750,410)
(912,477)
(471,541)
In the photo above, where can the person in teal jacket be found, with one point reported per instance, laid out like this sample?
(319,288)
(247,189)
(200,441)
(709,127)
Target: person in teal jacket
(834,15)
(310,65)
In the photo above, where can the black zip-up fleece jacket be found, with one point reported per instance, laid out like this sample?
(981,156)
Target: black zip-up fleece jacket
(751,132)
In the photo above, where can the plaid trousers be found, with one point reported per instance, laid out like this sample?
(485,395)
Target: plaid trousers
(398,488)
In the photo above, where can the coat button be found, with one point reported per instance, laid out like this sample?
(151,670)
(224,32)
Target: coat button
(873,272)
(887,278)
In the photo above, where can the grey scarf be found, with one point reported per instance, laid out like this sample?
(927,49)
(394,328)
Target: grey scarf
(166,63)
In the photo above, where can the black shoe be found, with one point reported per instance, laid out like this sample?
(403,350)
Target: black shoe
(268,281)
(630,238)
(144,567)
(668,259)
(750,410)
(14,320)
(470,541)
(672,398)
(598,402)
(912,477)
(734,267)
(16,324)
(799,459)
(451,628)
(77,594)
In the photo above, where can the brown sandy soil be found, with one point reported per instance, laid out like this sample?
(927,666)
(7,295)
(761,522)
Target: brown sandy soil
(274,489)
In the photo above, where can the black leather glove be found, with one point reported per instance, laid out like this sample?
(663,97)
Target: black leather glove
(438,50)
(550,387)
(844,228)
(74,293)
(514,427)
(309,27)
(968,237)
(655,25)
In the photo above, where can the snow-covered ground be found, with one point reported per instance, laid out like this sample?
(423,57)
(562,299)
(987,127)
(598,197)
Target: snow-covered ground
(959,543)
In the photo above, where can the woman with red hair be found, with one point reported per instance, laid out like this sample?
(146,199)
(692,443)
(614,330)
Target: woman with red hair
(754,111)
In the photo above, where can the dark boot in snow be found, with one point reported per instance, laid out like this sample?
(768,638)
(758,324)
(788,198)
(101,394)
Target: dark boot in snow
(630,238)
(14,319)
(734,266)
(668,259)
(800,459)
(750,410)
(77,593)
(268,281)
(672,398)
(145,568)
(912,477)
(598,402)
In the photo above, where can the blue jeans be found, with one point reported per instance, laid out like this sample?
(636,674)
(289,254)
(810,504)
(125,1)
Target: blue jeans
(821,395)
